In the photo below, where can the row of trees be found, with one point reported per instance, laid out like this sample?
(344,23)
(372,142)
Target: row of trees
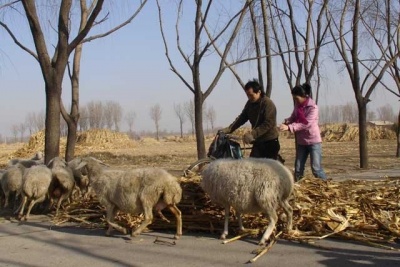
(349,113)
(360,36)
(110,115)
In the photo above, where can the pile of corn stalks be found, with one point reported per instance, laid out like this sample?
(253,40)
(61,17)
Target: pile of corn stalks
(359,210)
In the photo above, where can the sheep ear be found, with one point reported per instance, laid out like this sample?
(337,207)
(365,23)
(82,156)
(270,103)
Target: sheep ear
(81,165)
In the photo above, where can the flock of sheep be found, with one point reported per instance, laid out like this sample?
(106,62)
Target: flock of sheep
(247,185)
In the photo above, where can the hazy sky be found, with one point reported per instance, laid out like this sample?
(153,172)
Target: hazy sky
(130,67)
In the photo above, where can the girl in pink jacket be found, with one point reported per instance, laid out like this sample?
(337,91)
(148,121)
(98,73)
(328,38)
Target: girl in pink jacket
(304,123)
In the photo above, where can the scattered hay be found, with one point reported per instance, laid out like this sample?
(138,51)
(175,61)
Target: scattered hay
(148,140)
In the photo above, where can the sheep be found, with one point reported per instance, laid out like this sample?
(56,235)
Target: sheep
(62,182)
(35,160)
(35,185)
(250,185)
(134,192)
(2,171)
(11,182)
(81,181)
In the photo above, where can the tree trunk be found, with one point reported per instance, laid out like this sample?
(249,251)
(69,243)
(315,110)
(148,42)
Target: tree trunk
(52,130)
(398,136)
(71,140)
(198,114)
(181,124)
(362,124)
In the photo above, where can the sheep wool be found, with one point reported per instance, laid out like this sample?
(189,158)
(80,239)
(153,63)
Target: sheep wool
(250,185)
(133,191)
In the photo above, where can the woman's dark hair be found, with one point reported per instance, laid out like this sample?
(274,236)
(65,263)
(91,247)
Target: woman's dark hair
(255,86)
(303,90)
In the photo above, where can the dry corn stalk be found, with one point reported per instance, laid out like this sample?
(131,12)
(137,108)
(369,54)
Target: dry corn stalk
(367,211)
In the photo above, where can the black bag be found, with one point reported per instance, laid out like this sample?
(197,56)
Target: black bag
(223,147)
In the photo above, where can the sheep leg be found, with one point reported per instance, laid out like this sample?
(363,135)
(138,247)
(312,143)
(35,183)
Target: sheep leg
(148,218)
(240,222)
(33,202)
(178,215)
(22,206)
(272,218)
(289,214)
(111,211)
(60,199)
(225,233)
(16,200)
(7,195)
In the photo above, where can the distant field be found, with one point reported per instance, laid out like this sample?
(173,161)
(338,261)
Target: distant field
(175,154)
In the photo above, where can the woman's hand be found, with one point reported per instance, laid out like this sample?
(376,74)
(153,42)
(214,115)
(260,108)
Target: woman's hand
(283,127)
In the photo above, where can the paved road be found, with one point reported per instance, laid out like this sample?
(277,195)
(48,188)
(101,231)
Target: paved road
(368,174)
(38,243)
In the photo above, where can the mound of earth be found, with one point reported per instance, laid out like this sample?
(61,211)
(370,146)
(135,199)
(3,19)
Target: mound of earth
(349,132)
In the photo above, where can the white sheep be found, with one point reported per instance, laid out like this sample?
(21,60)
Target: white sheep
(249,186)
(62,182)
(35,185)
(37,159)
(11,182)
(81,181)
(133,192)
(2,171)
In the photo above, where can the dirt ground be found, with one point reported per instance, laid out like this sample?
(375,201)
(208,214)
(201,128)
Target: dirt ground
(175,154)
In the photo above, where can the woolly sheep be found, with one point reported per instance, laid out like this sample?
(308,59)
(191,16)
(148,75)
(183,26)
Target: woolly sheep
(249,186)
(81,181)
(133,191)
(11,182)
(37,159)
(35,185)
(2,171)
(62,182)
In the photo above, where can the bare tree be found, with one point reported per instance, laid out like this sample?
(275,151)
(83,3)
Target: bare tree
(382,24)
(39,120)
(130,118)
(117,115)
(195,57)
(22,129)
(211,116)
(363,80)
(30,122)
(53,69)
(83,121)
(108,114)
(155,115)
(73,117)
(371,115)
(386,113)
(180,113)
(190,113)
(349,113)
(95,114)
(299,38)
(15,130)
